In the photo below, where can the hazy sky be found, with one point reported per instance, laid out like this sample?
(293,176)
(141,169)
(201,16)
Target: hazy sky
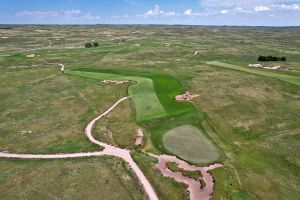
(202,12)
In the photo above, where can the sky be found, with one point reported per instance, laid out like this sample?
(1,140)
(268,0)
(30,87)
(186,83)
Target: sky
(190,12)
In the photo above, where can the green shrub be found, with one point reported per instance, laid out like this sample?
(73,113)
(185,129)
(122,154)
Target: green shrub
(95,44)
(88,45)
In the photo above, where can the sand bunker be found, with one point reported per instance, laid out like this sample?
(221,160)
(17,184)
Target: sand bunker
(186,96)
(25,132)
(139,137)
(62,69)
(194,187)
(115,81)
(30,55)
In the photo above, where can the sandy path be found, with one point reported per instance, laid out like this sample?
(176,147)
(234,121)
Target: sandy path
(122,153)
(193,186)
(51,156)
(108,150)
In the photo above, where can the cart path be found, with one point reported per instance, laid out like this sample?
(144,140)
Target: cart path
(194,187)
(108,150)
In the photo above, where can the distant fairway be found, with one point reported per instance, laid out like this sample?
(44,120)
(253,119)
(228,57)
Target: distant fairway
(143,95)
(290,78)
(189,143)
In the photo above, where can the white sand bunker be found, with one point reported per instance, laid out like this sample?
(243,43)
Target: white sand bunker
(30,55)
(139,137)
(25,132)
(186,96)
(115,81)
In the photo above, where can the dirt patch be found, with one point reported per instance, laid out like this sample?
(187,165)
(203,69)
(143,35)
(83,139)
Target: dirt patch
(115,82)
(186,96)
(30,55)
(139,137)
(198,189)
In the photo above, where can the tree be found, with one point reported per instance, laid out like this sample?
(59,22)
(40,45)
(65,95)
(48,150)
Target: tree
(95,44)
(88,45)
(283,58)
(271,58)
(261,58)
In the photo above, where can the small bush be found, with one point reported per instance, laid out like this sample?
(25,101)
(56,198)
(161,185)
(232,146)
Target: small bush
(95,44)
(283,58)
(88,45)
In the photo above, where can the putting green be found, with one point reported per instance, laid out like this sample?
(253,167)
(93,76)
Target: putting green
(145,100)
(190,144)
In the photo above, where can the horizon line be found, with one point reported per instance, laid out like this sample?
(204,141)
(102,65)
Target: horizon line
(139,24)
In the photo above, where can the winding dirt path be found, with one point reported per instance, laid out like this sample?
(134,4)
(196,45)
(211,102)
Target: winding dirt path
(108,150)
(194,187)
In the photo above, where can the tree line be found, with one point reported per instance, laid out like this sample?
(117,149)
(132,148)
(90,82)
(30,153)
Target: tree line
(271,58)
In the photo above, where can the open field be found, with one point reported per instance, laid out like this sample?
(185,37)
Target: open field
(91,178)
(251,118)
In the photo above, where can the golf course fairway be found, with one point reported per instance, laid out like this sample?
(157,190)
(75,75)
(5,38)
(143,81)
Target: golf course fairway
(152,94)
(142,93)
(292,78)
(157,111)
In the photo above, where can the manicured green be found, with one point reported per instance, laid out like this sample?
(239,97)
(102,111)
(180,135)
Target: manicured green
(189,143)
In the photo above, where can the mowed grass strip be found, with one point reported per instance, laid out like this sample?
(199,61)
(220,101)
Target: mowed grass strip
(190,144)
(292,78)
(142,93)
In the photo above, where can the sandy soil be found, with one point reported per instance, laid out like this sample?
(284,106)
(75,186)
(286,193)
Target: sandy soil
(139,137)
(194,187)
(62,69)
(115,81)
(186,96)
(30,55)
